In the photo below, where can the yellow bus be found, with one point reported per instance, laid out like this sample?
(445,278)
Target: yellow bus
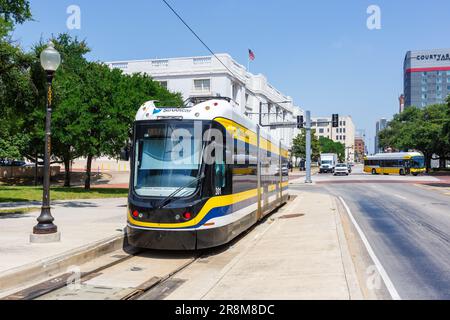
(401,163)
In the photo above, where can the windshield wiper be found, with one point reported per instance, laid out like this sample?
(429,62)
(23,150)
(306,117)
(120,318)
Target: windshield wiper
(166,200)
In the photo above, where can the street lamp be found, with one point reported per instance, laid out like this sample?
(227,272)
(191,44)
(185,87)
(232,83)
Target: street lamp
(45,230)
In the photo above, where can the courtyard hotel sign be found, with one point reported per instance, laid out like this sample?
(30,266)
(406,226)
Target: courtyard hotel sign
(435,57)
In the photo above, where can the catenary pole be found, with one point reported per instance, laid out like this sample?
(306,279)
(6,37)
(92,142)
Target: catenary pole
(308,146)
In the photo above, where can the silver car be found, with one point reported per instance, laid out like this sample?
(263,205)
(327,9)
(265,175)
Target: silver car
(341,169)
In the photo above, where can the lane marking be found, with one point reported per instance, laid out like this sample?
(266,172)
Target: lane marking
(389,285)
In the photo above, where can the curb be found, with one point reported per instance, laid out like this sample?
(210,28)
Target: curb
(52,266)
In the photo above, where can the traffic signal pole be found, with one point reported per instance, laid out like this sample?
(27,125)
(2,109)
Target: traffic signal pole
(308,147)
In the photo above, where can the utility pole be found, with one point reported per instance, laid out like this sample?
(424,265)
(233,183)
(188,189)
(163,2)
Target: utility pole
(308,146)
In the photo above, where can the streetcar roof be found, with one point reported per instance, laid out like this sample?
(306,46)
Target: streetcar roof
(394,155)
(207,110)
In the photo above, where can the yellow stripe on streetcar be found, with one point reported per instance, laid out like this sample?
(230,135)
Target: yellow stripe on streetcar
(212,203)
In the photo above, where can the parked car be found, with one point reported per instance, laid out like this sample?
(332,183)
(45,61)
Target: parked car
(12,163)
(341,169)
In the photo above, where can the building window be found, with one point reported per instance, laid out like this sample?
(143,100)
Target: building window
(343,130)
(163,84)
(424,96)
(343,138)
(448,87)
(424,74)
(120,65)
(448,80)
(160,63)
(202,60)
(424,89)
(438,88)
(321,131)
(424,80)
(439,80)
(202,85)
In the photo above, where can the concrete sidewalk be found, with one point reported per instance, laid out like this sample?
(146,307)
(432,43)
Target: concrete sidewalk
(301,254)
(81,223)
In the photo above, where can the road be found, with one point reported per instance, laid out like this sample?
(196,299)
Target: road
(406,223)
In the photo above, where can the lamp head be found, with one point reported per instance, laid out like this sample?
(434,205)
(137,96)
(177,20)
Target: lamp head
(50,58)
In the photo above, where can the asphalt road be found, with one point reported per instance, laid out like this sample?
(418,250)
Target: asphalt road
(407,225)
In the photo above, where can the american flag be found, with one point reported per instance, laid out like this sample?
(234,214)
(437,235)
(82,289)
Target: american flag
(251,55)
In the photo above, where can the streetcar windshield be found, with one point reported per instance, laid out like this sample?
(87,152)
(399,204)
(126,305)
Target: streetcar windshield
(167,157)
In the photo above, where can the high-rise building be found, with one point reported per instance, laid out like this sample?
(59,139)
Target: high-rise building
(381,124)
(426,77)
(344,134)
(360,148)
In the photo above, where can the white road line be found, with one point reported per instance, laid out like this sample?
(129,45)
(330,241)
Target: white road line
(390,286)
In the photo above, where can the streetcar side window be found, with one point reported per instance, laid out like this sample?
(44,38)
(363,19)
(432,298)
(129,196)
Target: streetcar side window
(220,175)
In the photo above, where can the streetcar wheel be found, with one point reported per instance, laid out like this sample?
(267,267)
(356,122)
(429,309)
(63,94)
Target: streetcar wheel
(402,173)
(374,171)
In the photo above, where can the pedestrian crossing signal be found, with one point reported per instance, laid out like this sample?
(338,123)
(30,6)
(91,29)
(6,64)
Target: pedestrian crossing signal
(300,122)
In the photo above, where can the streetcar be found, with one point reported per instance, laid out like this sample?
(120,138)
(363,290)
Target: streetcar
(402,163)
(201,175)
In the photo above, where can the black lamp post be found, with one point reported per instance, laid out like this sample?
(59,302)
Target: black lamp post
(50,61)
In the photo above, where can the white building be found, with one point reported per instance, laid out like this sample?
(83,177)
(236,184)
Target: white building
(345,133)
(206,75)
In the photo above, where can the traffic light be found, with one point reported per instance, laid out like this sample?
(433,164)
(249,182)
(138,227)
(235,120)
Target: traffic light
(335,121)
(300,122)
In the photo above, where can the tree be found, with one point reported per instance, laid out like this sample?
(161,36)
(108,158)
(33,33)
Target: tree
(419,129)
(329,146)
(15,11)
(16,89)
(299,145)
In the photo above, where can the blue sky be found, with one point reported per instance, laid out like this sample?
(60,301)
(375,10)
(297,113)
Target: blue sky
(319,52)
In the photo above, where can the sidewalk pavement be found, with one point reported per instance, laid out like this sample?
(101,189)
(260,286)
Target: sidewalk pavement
(81,223)
(296,257)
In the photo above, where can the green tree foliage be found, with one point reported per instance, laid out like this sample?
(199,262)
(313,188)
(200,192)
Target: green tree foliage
(17,93)
(329,146)
(299,145)
(15,11)
(421,129)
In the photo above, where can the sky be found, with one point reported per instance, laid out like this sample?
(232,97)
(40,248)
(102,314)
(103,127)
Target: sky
(321,53)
